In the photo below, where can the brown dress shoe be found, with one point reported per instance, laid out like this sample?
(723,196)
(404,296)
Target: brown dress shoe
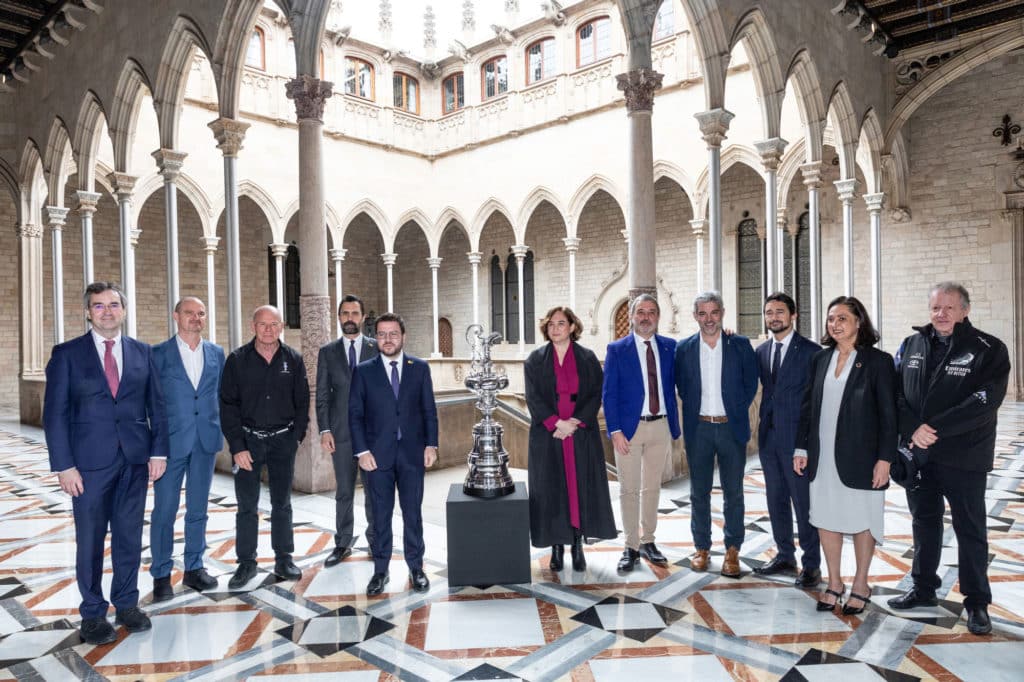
(731,563)
(699,561)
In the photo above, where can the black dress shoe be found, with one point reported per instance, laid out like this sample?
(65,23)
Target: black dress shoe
(776,565)
(337,556)
(579,562)
(807,579)
(911,599)
(162,590)
(419,581)
(286,569)
(376,585)
(97,631)
(199,580)
(978,622)
(628,561)
(650,551)
(245,572)
(133,619)
(557,558)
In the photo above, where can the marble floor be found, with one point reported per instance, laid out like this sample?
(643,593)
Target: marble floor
(654,624)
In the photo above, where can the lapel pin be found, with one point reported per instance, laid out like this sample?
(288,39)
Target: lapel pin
(857,364)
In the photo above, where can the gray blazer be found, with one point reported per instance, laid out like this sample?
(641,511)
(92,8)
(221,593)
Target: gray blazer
(333,379)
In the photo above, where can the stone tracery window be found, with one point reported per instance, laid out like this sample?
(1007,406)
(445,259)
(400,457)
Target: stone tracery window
(494,77)
(540,60)
(407,93)
(453,92)
(359,78)
(255,54)
(801,289)
(750,280)
(664,22)
(593,41)
(497,296)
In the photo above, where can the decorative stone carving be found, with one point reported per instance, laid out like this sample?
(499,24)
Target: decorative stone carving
(410,122)
(592,75)
(384,23)
(30,230)
(123,184)
(503,34)
(899,214)
(511,5)
(639,86)
(812,174)
(493,109)
(459,50)
(315,311)
(430,70)
(553,12)
(87,201)
(543,92)
(771,152)
(310,95)
(714,124)
(229,134)
(210,244)
(468,17)
(56,217)
(368,110)
(909,72)
(169,162)
(451,122)
(429,28)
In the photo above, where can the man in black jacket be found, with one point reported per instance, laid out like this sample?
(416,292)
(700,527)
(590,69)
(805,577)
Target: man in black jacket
(952,379)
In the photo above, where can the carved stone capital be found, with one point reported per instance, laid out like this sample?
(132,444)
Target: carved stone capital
(210,244)
(29,230)
(123,185)
(714,124)
(874,202)
(699,226)
(169,162)
(474,257)
(389,258)
(134,237)
(337,255)
(434,262)
(229,134)
(279,250)
(639,86)
(520,251)
(56,216)
(812,174)
(846,189)
(899,214)
(310,95)
(87,201)
(572,244)
(771,152)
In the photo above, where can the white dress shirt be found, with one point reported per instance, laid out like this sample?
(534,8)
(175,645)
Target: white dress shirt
(400,359)
(349,343)
(641,350)
(711,404)
(192,359)
(101,348)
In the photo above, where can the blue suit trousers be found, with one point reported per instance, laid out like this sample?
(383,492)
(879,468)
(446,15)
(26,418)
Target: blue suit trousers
(716,441)
(381,484)
(788,493)
(197,465)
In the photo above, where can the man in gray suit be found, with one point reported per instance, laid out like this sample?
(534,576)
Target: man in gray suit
(336,363)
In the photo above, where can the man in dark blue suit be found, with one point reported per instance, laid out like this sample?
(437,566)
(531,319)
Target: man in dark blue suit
(785,364)
(643,419)
(106,431)
(393,422)
(716,376)
(189,369)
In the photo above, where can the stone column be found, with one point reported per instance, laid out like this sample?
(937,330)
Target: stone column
(30,238)
(1013,214)
(519,251)
(874,202)
(812,181)
(337,257)
(771,152)
(279,252)
(210,246)
(57,216)
(389,265)
(229,134)
(86,208)
(572,245)
(169,162)
(846,189)
(762,234)
(435,264)
(474,271)
(699,227)
(639,86)
(124,185)
(793,232)
(714,124)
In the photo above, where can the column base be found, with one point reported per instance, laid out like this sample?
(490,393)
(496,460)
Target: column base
(314,469)
(30,399)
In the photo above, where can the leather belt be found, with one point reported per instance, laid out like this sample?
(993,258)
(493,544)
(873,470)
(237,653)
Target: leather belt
(267,433)
(652,418)
(713,420)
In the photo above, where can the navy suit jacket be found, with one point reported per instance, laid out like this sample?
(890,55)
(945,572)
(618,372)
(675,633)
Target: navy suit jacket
(193,414)
(781,401)
(375,415)
(739,383)
(624,378)
(84,424)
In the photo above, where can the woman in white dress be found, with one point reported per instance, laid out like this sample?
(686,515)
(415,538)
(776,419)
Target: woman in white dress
(846,442)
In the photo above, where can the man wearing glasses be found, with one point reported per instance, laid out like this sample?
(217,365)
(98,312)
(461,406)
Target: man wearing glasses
(106,431)
(264,411)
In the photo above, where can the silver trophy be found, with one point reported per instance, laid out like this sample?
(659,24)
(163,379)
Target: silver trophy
(488,475)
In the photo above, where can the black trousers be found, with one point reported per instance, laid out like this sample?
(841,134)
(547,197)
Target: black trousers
(346,469)
(965,492)
(277,453)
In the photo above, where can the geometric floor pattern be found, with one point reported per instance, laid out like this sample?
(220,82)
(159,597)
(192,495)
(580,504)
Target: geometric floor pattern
(653,624)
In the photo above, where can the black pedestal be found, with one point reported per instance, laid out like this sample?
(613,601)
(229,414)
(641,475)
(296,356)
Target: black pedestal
(488,539)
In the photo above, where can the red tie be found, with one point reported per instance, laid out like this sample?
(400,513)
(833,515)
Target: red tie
(652,381)
(110,366)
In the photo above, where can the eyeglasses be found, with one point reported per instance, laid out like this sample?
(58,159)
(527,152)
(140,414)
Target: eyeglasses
(389,335)
(100,307)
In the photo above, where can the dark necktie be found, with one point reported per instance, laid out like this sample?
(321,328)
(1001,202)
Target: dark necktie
(352,356)
(110,367)
(654,401)
(776,361)
(394,377)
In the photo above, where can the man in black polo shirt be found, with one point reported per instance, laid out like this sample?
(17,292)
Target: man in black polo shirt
(264,411)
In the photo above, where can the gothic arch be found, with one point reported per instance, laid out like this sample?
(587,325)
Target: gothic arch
(192,190)
(86,142)
(30,168)
(533,200)
(333,225)
(731,155)
(132,85)
(582,196)
(667,169)
(369,208)
(480,219)
(843,121)
(897,177)
(262,198)
(869,152)
(448,215)
(712,45)
(55,161)
(753,30)
(809,101)
(413,215)
(229,52)
(175,64)
(792,159)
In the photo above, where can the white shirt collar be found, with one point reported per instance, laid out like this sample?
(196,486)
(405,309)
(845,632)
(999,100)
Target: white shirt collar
(99,339)
(785,340)
(183,344)
(641,341)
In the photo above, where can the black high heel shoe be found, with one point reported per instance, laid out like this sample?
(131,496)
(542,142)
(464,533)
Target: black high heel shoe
(579,562)
(825,606)
(852,610)
(557,552)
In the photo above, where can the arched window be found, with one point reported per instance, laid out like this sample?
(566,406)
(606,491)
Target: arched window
(528,312)
(497,296)
(256,54)
(800,289)
(622,320)
(407,93)
(494,77)
(359,78)
(445,338)
(453,90)
(292,286)
(748,251)
(540,60)
(593,41)
(664,22)
(512,300)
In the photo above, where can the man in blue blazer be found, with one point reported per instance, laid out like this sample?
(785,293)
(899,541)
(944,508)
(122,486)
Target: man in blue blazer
(785,366)
(393,422)
(716,376)
(643,419)
(189,369)
(106,431)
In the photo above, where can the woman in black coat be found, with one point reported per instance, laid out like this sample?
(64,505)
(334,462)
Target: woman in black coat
(569,498)
(846,442)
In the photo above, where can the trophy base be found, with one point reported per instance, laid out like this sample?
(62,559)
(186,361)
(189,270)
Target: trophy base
(488,540)
(488,493)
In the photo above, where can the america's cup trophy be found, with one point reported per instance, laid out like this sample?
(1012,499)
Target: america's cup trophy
(488,462)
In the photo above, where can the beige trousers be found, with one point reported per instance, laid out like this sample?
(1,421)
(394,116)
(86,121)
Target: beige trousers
(640,480)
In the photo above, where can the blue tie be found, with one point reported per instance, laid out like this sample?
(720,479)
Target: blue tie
(352,356)
(394,387)
(776,361)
